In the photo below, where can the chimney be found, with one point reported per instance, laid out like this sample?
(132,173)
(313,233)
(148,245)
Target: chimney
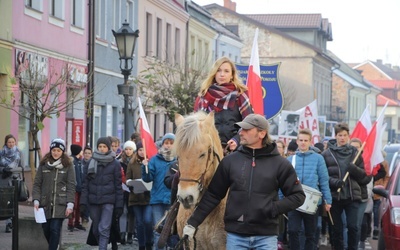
(396,68)
(379,61)
(230,5)
(388,65)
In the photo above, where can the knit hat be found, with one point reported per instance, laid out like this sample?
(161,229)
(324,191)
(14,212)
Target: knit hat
(292,145)
(168,136)
(130,144)
(75,149)
(104,140)
(139,145)
(57,143)
(320,146)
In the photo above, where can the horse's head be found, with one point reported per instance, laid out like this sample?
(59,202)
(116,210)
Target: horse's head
(198,148)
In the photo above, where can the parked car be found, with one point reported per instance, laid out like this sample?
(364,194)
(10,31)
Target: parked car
(389,235)
(392,156)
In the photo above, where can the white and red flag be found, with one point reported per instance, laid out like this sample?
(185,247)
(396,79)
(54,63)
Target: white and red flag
(147,139)
(254,79)
(363,126)
(372,154)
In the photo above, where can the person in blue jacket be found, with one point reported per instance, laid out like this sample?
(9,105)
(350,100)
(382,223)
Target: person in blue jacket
(311,170)
(158,165)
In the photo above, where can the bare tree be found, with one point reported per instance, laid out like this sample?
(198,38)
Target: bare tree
(172,86)
(37,93)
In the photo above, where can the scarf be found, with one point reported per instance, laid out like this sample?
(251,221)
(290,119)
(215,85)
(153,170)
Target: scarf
(166,154)
(100,158)
(224,96)
(10,157)
(55,165)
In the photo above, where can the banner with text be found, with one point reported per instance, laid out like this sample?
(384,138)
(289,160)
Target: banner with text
(272,93)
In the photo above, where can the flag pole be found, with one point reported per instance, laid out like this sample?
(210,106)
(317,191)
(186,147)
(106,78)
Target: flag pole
(354,162)
(145,155)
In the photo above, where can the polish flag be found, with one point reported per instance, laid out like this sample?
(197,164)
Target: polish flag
(254,79)
(149,146)
(363,126)
(372,154)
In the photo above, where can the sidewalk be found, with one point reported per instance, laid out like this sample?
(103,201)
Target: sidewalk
(75,240)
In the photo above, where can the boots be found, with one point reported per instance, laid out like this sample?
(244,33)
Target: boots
(123,241)
(142,248)
(129,238)
(149,246)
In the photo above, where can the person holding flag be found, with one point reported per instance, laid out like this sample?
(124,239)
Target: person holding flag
(340,157)
(224,93)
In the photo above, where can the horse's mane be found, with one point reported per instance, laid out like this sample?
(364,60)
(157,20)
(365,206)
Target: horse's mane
(189,133)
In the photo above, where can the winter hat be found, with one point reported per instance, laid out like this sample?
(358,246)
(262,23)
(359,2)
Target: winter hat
(292,146)
(104,140)
(139,145)
(130,144)
(320,146)
(57,143)
(75,149)
(168,136)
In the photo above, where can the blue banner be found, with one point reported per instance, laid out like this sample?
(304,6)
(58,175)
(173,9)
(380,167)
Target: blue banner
(272,93)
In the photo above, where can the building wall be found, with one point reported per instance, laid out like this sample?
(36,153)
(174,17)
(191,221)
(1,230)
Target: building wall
(300,69)
(201,44)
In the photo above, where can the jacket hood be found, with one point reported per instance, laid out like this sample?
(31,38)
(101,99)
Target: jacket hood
(346,149)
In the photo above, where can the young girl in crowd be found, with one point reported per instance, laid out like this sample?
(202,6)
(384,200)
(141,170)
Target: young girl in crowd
(54,190)
(139,202)
(102,190)
(10,166)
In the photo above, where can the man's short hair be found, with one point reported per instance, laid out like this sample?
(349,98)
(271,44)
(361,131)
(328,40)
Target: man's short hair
(339,127)
(305,131)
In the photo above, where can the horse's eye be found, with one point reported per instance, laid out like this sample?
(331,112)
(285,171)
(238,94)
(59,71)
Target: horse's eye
(202,155)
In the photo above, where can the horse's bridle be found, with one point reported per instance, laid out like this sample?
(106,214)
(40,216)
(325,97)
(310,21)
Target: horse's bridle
(200,181)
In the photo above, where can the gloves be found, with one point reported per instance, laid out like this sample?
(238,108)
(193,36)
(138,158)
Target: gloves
(339,184)
(118,212)
(83,210)
(189,230)
(6,172)
(130,189)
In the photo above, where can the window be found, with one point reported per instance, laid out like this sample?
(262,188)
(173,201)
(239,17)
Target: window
(234,28)
(34,4)
(101,19)
(159,38)
(149,34)
(57,8)
(168,44)
(77,13)
(177,57)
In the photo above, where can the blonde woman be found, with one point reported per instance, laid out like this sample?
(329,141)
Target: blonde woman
(224,93)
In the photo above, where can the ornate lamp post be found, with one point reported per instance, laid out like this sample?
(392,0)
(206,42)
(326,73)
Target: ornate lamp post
(126,38)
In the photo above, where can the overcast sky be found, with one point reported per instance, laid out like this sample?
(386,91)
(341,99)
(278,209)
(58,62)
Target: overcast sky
(361,29)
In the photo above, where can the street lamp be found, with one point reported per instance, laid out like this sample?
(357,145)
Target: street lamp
(126,38)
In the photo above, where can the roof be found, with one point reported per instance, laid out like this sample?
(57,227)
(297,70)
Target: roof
(289,20)
(386,84)
(385,69)
(268,27)
(381,101)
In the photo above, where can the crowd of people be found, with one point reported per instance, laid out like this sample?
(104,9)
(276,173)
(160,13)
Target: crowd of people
(274,177)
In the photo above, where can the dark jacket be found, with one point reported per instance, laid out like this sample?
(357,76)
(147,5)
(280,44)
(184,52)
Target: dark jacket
(339,162)
(54,188)
(78,173)
(253,177)
(171,180)
(104,187)
(225,121)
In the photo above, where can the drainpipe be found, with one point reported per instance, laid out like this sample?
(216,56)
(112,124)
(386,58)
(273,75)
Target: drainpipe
(187,41)
(90,84)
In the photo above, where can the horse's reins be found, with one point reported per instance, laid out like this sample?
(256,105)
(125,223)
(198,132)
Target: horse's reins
(200,181)
(184,242)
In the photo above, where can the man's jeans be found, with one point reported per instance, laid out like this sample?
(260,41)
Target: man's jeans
(241,242)
(351,209)
(296,219)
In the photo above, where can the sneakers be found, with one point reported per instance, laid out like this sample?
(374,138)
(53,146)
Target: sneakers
(375,234)
(70,228)
(8,228)
(361,245)
(80,227)
(129,238)
(324,240)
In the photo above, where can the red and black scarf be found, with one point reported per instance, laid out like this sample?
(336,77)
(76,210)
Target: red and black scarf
(224,96)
